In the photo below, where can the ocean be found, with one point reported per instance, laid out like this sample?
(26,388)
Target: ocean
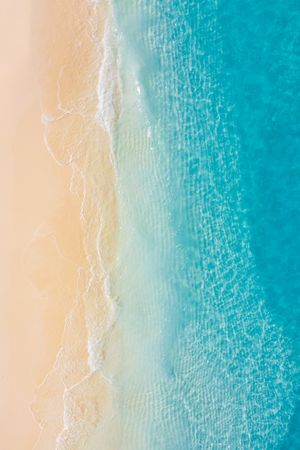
(207,282)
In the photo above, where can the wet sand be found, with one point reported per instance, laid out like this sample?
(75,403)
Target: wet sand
(59,226)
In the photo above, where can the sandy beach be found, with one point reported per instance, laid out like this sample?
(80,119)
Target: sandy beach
(59,225)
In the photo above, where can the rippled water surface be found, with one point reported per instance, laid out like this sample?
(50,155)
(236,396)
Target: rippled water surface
(206,151)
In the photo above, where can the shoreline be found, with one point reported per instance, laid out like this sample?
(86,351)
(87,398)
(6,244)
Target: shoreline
(88,152)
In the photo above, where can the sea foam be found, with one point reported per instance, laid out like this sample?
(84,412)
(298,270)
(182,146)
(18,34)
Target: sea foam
(74,402)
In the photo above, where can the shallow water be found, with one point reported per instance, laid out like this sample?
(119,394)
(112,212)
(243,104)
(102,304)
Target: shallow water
(207,173)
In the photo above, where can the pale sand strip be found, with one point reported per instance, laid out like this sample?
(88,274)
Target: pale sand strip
(31,188)
(57,309)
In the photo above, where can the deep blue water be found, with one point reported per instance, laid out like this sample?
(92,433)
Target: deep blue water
(209,190)
(262,57)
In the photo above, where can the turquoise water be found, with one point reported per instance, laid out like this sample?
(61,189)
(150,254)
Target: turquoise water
(206,153)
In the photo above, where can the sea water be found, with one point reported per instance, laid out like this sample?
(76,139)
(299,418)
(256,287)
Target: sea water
(206,159)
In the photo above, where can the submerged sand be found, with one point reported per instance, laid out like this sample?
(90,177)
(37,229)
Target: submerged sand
(59,233)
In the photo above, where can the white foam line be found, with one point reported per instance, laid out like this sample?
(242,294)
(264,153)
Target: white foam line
(107,81)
